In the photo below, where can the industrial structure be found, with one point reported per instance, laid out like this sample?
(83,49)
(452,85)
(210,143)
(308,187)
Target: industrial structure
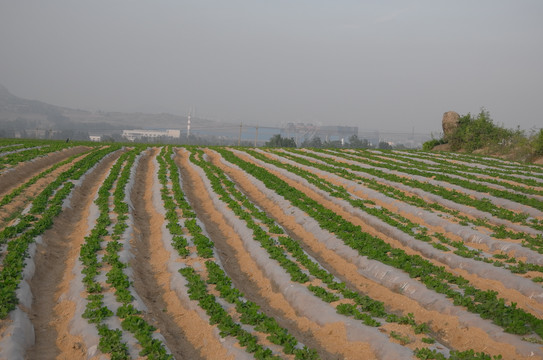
(410,140)
(132,135)
(302,131)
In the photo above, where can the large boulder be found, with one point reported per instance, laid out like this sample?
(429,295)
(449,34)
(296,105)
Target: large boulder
(450,122)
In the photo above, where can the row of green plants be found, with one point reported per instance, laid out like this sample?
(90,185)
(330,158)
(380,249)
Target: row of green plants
(483,204)
(514,167)
(9,148)
(110,230)
(415,158)
(365,307)
(4,142)
(19,190)
(175,205)
(174,201)
(96,312)
(348,171)
(17,249)
(32,153)
(249,312)
(41,202)
(533,242)
(442,171)
(283,248)
(420,170)
(437,240)
(7,142)
(457,288)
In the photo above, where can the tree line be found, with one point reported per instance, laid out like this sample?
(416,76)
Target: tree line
(316,142)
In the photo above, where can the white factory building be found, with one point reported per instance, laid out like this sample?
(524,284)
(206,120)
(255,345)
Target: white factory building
(132,135)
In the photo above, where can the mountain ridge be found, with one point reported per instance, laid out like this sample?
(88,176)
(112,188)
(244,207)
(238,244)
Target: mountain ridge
(38,114)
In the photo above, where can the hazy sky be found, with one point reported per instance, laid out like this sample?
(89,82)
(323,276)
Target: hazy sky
(385,65)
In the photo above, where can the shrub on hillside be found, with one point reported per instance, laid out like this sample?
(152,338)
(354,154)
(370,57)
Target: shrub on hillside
(478,132)
(430,144)
(538,143)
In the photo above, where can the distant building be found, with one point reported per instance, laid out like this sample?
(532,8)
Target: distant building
(132,135)
(337,132)
(95,138)
(306,131)
(410,140)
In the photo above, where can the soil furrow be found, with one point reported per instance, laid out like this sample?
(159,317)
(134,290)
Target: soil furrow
(498,201)
(19,202)
(428,196)
(187,335)
(23,172)
(330,340)
(448,328)
(430,220)
(346,212)
(150,278)
(52,311)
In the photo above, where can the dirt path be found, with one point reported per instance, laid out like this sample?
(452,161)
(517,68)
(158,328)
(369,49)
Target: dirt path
(23,172)
(51,311)
(151,278)
(449,328)
(330,341)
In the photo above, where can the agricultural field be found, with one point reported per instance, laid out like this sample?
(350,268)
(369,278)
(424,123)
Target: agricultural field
(111,251)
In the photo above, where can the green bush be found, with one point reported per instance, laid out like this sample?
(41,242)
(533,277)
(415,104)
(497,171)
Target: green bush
(479,132)
(538,143)
(430,144)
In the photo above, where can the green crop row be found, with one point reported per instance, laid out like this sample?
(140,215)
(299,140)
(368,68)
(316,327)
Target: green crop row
(96,311)
(17,248)
(394,219)
(277,250)
(8,197)
(41,202)
(249,311)
(26,155)
(464,183)
(453,195)
(484,303)
(440,171)
(533,242)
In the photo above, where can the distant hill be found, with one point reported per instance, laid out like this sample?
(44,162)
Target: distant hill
(21,114)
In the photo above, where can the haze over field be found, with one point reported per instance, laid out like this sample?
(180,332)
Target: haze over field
(389,67)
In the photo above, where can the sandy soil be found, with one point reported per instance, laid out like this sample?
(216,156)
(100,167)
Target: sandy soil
(152,279)
(448,327)
(19,202)
(529,305)
(51,313)
(330,340)
(481,177)
(187,334)
(407,192)
(500,202)
(186,330)
(24,171)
